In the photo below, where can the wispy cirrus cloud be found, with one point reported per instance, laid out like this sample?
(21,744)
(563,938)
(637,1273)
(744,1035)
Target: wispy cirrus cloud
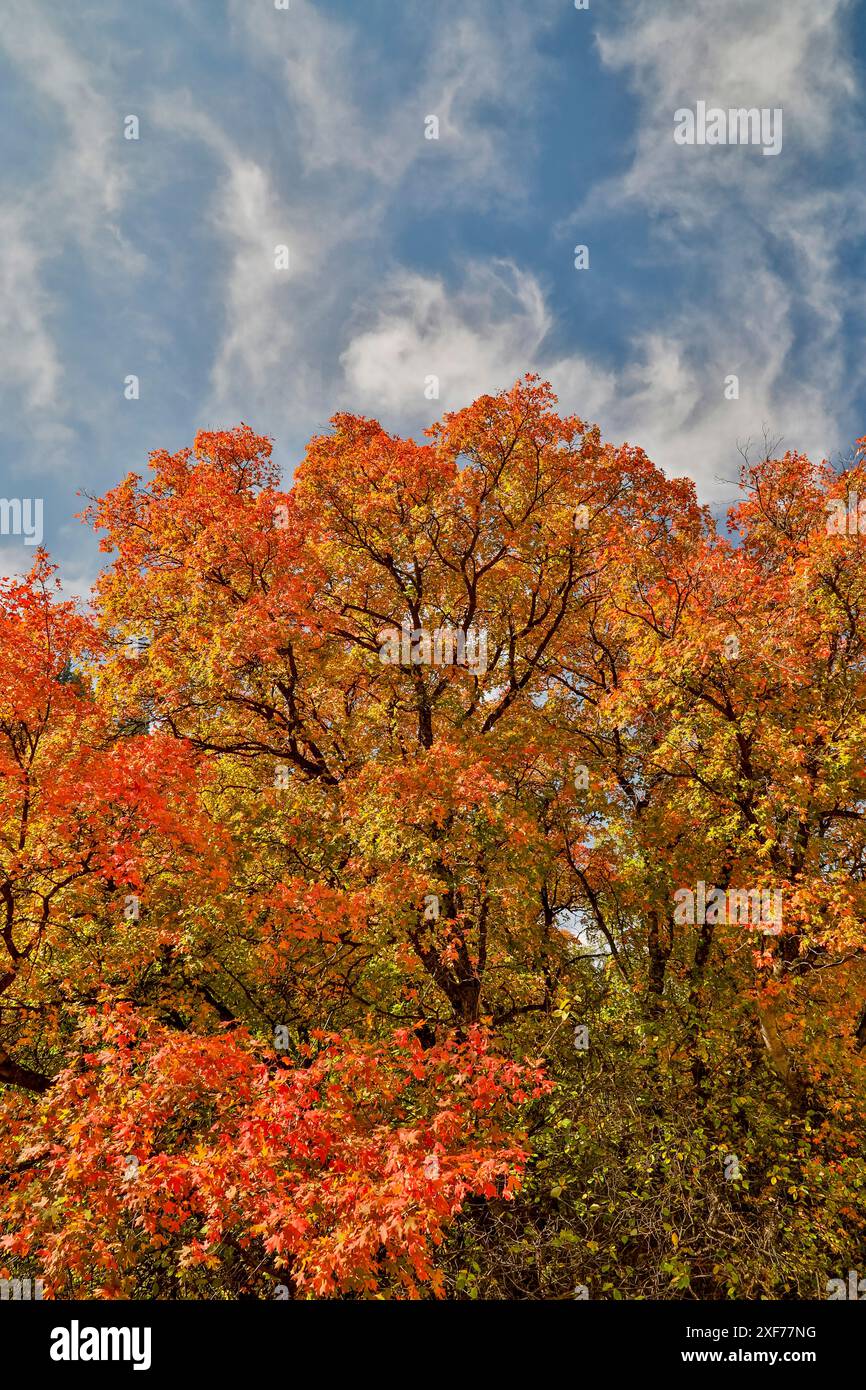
(413,258)
(792,55)
(762,243)
(30,365)
(357,111)
(350,157)
(69,205)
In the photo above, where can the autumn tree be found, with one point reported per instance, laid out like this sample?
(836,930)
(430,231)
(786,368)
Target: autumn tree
(411,768)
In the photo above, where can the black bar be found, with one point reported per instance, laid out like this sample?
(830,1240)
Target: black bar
(391,1340)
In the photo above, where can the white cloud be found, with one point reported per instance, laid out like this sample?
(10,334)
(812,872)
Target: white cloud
(334,163)
(87,166)
(75,202)
(777,277)
(337,86)
(474,339)
(787,53)
(29,360)
(261,369)
(404,327)
(259,340)
(668,397)
(353,148)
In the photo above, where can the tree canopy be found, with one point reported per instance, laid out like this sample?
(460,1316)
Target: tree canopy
(384,866)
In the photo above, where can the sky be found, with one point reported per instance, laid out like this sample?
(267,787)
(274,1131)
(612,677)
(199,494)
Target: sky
(411,257)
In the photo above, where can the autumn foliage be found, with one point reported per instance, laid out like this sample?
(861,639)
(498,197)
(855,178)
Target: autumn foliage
(296,938)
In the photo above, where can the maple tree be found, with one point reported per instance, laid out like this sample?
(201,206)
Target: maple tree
(324,1177)
(377,887)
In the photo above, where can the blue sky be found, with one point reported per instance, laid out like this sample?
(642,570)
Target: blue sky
(412,257)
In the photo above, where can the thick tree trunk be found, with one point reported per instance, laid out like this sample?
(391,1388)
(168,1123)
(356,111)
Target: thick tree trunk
(15,1075)
(783,1063)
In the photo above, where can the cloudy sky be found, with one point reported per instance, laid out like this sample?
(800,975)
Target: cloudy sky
(412,257)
